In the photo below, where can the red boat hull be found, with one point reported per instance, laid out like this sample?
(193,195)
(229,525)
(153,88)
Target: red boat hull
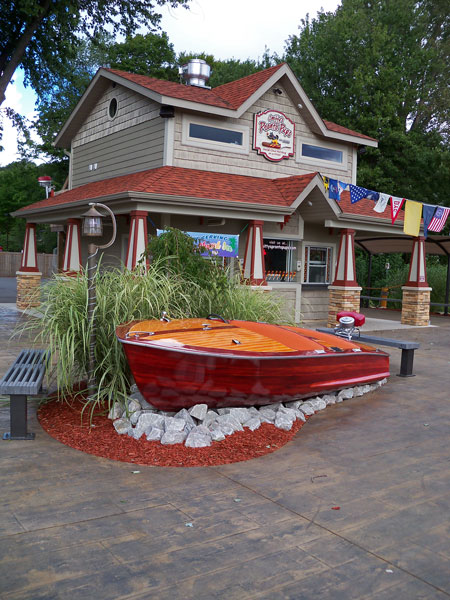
(172,378)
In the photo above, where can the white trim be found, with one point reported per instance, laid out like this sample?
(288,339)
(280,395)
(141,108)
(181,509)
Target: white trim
(169,136)
(354,165)
(317,162)
(360,225)
(187,140)
(308,244)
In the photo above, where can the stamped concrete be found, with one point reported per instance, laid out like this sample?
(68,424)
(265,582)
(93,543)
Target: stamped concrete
(356,506)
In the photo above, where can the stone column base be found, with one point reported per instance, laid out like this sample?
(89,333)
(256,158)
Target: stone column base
(416,306)
(28,289)
(342,298)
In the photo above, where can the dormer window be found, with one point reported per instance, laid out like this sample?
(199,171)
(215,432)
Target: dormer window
(113,108)
(215,135)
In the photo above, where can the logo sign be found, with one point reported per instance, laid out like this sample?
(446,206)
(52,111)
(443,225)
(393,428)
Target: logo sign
(274,135)
(213,244)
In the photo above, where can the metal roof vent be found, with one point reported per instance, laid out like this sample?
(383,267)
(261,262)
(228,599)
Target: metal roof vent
(196,72)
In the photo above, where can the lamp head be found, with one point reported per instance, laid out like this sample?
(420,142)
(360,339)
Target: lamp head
(92,222)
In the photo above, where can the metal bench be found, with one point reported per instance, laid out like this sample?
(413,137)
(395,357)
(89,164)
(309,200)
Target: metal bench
(407,348)
(23,379)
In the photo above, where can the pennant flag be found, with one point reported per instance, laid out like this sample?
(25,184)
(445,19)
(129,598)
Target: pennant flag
(333,191)
(326,183)
(357,193)
(342,186)
(428,212)
(396,204)
(380,206)
(413,214)
(439,219)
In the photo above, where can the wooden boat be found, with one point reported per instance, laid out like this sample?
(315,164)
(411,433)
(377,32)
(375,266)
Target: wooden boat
(183,362)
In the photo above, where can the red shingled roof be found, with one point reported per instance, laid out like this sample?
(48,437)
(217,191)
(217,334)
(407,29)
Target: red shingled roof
(229,95)
(340,129)
(191,183)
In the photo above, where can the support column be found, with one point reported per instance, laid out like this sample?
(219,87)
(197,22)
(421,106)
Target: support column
(416,292)
(137,241)
(254,268)
(72,248)
(344,291)
(29,276)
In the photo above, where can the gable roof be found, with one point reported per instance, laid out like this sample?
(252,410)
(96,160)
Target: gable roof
(228,100)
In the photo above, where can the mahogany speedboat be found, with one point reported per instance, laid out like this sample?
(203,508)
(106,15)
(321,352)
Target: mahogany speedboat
(181,362)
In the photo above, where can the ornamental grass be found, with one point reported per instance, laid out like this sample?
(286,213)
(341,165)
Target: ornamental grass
(123,296)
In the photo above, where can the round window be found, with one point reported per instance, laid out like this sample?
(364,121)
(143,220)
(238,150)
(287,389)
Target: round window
(113,108)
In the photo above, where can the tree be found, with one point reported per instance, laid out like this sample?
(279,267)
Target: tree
(381,67)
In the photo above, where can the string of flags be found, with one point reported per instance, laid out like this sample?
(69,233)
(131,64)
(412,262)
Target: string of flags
(434,217)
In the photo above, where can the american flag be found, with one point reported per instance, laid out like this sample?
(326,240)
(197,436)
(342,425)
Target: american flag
(439,219)
(357,193)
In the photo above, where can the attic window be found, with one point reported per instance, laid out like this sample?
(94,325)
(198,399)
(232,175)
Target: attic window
(215,134)
(322,153)
(113,107)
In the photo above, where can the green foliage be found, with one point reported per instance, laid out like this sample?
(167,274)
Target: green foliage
(19,187)
(123,296)
(382,68)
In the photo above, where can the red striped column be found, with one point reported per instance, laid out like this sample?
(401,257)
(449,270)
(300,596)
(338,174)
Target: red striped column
(137,241)
(345,293)
(416,292)
(72,248)
(254,268)
(29,255)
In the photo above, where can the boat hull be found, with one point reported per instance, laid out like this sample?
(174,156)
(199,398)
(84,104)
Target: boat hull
(175,378)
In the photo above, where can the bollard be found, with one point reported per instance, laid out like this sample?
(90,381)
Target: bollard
(384,295)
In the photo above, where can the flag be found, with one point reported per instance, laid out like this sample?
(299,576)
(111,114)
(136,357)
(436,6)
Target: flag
(357,193)
(413,214)
(380,206)
(333,190)
(428,212)
(439,219)
(326,183)
(396,204)
(342,186)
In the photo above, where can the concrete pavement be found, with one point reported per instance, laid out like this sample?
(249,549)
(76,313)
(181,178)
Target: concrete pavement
(356,506)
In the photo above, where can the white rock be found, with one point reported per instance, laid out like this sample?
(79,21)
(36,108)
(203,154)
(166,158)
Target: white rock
(318,404)
(133,388)
(148,419)
(345,394)
(197,439)
(122,426)
(174,425)
(217,435)
(289,412)
(268,414)
(134,417)
(230,420)
(133,405)
(155,434)
(307,408)
(211,416)
(253,423)
(223,411)
(225,428)
(173,437)
(241,414)
(329,399)
(184,414)
(283,421)
(300,415)
(294,404)
(116,411)
(198,411)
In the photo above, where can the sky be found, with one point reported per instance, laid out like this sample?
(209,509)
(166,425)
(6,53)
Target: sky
(238,29)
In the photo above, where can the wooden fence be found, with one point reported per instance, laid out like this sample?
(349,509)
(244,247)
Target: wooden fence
(10,263)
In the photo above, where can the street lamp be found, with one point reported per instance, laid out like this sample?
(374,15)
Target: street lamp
(93,227)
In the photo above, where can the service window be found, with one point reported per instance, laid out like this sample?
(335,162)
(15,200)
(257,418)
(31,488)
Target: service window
(280,258)
(317,264)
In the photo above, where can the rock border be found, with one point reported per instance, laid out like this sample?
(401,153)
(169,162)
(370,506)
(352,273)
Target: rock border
(200,426)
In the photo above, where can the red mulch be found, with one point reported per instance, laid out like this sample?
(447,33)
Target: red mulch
(62,420)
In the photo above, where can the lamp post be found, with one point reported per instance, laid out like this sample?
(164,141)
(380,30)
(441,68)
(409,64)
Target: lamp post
(93,227)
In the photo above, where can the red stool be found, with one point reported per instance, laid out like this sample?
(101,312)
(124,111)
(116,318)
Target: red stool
(359,318)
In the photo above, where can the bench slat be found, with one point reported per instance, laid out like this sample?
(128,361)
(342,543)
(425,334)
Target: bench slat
(373,339)
(26,374)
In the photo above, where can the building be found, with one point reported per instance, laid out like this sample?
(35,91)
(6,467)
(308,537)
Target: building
(243,159)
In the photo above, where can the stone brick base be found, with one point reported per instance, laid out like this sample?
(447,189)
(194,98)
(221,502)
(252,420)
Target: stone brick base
(28,289)
(416,306)
(342,298)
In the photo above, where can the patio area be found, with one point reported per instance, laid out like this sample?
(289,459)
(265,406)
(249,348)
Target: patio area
(356,506)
